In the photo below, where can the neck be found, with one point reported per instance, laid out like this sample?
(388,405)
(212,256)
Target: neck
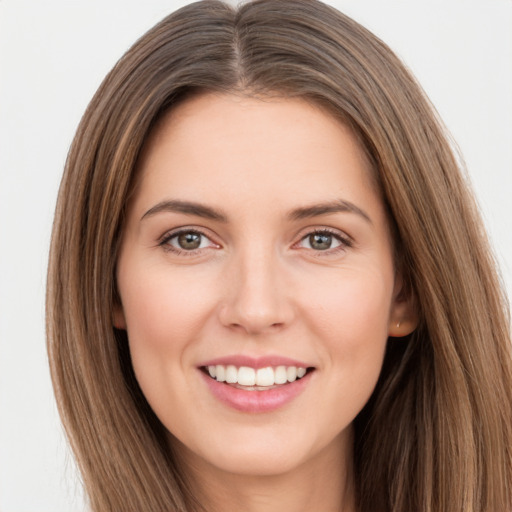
(325,483)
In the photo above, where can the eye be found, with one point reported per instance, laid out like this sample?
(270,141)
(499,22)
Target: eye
(186,240)
(323,241)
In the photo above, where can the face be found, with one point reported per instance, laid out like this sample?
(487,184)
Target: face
(257,283)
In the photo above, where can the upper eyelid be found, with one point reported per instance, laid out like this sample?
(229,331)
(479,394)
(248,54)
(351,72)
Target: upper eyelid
(303,233)
(346,242)
(342,235)
(164,242)
(171,233)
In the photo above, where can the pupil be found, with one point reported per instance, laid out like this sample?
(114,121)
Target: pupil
(189,241)
(320,241)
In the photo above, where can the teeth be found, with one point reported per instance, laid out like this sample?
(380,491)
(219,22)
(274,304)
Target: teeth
(246,376)
(262,377)
(265,377)
(220,372)
(291,373)
(280,375)
(231,374)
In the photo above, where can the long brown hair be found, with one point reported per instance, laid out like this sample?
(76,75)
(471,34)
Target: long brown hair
(436,436)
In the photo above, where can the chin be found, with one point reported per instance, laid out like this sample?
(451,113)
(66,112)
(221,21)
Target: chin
(247,463)
(258,453)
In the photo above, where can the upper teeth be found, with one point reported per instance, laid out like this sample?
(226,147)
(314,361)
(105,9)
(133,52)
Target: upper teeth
(246,376)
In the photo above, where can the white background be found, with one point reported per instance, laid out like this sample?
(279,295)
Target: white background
(53,55)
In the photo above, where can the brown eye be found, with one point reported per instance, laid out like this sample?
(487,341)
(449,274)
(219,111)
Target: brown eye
(324,241)
(189,241)
(320,241)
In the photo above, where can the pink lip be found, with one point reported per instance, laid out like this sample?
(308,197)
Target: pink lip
(255,362)
(256,401)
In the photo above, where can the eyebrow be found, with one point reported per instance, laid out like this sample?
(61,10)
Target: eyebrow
(339,206)
(186,207)
(206,212)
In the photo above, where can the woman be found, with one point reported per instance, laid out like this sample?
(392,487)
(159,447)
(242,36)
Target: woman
(269,285)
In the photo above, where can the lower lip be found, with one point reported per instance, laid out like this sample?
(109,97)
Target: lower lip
(256,401)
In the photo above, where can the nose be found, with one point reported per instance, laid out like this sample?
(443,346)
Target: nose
(257,298)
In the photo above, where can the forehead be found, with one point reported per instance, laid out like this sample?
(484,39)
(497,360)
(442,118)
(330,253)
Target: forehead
(214,143)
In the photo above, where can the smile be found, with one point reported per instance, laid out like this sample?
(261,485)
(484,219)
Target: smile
(253,379)
(256,386)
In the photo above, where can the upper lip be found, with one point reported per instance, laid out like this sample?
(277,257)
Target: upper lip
(255,362)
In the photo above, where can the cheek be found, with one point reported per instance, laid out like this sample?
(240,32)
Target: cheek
(355,307)
(161,307)
(163,314)
(350,320)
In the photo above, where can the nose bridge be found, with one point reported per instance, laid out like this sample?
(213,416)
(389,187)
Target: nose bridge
(257,299)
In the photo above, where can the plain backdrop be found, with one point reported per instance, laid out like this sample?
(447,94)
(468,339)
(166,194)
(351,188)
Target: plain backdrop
(53,55)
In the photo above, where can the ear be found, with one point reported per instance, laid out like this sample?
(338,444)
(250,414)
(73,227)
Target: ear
(403,318)
(118,318)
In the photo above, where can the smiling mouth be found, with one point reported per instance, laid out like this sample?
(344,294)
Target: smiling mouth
(251,379)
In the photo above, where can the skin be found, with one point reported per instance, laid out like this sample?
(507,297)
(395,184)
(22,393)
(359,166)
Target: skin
(259,285)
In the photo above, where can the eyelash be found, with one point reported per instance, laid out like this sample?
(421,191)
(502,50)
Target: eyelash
(345,242)
(164,242)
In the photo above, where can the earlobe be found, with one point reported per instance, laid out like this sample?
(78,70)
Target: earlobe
(403,318)
(403,326)
(118,318)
